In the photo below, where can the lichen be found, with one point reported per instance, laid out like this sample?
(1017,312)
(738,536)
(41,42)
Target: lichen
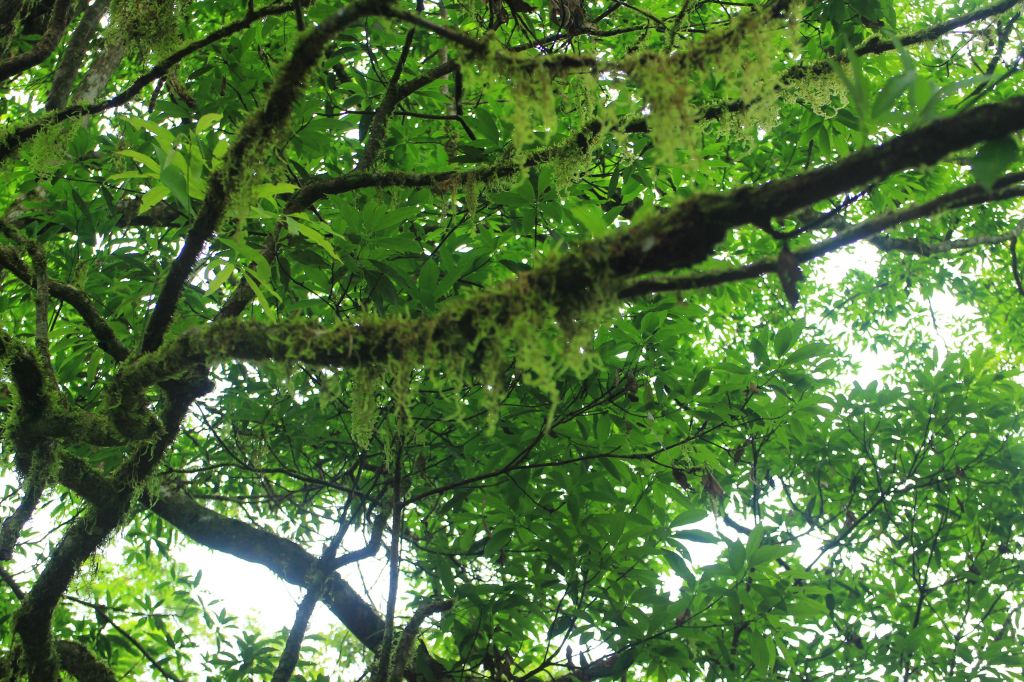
(664,84)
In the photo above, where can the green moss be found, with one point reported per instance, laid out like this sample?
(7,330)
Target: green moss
(146,25)
(664,83)
(364,408)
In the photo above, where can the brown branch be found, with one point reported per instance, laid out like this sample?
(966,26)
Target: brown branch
(59,17)
(961,198)
(75,659)
(922,248)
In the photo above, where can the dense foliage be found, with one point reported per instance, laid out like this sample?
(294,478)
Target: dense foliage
(559,311)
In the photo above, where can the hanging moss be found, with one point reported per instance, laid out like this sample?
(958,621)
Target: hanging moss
(664,84)
(364,409)
(49,148)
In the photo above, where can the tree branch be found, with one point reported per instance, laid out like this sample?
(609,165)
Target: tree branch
(13,140)
(378,124)
(74,54)
(678,237)
(962,198)
(923,248)
(59,17)
(73,296)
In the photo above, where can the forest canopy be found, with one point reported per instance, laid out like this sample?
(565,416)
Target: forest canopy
(638,340)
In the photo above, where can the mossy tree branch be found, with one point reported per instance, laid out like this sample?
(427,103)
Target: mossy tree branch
(972,195)
(378,124)
(84,536)
(678,237)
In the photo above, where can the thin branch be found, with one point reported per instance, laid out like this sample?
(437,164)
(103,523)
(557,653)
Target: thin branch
(314,589)
(58,22)
(877,45)
(257,131)
(76,298)
(104,617)
(17,137)
(384,657)
(923,248)
(378,124)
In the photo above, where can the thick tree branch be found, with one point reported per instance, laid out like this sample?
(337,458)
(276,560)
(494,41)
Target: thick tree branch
(82,664)
(74,54)
(84,536)
(285,558)
(962,198)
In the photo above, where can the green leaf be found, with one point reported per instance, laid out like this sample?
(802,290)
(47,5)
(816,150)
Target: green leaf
(696,535)
(993,159)
(206,121)
(153,197)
